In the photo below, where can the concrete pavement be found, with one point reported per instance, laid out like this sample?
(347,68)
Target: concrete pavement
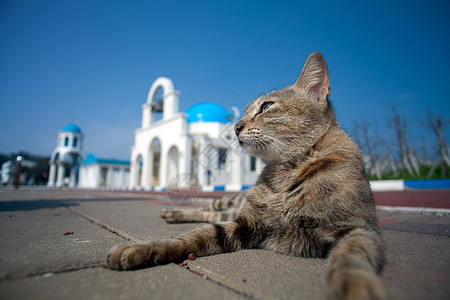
(53,245)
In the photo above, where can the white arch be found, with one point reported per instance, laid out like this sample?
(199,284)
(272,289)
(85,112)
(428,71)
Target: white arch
(170,101)
(55,157)
(161,82)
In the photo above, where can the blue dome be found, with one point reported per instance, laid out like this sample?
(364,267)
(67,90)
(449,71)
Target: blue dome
(72,128)
(208,112)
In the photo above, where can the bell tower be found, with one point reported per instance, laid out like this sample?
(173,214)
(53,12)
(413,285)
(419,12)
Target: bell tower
(168,106)
(67,157)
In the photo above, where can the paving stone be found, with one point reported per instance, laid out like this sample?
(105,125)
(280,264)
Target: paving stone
(37,261)
(165,282)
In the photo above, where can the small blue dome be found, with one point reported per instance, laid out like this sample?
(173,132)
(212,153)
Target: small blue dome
(72,128)
(208,112)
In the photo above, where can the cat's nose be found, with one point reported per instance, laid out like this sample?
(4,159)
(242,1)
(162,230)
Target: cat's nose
(238,128)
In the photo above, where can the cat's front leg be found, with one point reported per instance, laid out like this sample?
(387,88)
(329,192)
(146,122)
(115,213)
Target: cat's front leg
(203,241)
(135,256)
(354,266)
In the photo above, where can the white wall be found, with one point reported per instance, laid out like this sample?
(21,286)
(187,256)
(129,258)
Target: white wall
(170,133)
(117,175)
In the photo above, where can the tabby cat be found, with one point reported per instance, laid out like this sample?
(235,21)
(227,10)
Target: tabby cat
(312,198)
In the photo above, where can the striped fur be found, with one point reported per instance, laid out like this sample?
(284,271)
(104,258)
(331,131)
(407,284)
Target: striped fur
(219,210)
(312,199)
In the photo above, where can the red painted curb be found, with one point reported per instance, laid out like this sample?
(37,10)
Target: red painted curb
(414,198)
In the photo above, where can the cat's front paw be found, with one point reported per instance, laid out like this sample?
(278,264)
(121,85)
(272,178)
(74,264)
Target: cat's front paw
(356,285)
(129,257)
(172,215)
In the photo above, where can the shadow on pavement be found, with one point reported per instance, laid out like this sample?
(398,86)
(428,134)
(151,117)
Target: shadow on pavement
(34,205)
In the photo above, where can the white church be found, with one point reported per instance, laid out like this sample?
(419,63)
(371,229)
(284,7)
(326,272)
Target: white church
(172,150)
(67,157)
(70,168)
(193,148)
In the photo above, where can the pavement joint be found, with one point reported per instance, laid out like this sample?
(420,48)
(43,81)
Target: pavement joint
(56,270)
(105,226)
(218,282)
(68,269)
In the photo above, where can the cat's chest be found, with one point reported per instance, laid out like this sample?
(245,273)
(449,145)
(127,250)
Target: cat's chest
(274,207)
(281,180)
(291,228)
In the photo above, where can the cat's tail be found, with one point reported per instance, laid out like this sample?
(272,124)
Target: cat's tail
(355,264)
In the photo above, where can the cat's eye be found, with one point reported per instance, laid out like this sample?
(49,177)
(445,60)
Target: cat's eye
(265,106)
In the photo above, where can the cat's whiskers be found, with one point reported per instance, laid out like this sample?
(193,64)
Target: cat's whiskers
(276,143)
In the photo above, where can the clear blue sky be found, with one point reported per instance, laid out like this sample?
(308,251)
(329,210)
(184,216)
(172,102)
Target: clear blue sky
(93,62)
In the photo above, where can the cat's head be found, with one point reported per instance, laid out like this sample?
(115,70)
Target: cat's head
(287,122)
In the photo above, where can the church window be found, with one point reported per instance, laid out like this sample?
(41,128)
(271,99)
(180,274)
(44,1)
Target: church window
(66,141)
(104,176)
(74,142)
(222,158)
(253,164)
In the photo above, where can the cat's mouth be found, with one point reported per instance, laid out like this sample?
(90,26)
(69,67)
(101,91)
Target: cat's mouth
(251,147)
(260,148)
(244,144)
(247,145)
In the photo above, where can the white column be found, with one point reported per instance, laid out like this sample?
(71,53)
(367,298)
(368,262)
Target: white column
(121,181)
(60,176)
(147,169)
(163,166)
(72,177)
(132,178)
(170,104)
(236,169)
(146,115)
(98,171)
(126,177)
(202,162)
(110,177)
(185,157)
(52,175)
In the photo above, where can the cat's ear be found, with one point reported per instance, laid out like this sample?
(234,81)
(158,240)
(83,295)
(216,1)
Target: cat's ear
(315,79)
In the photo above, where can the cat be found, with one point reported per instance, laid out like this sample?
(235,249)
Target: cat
(312,199)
